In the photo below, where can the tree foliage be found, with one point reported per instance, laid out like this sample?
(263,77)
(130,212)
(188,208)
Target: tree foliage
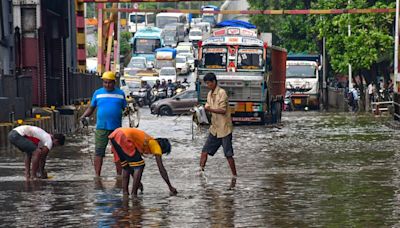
(291,31)
(371,39)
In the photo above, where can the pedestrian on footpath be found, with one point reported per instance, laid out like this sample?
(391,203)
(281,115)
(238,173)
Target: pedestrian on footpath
(220,132)
(36,144)
(110,103)
(128,146)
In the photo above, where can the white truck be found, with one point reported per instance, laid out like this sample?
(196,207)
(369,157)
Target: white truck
(303,80)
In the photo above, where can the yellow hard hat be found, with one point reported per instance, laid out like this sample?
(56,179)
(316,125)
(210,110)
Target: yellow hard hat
(108,75)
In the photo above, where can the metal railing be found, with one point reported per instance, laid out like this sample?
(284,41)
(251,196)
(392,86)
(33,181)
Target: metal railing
(80,86)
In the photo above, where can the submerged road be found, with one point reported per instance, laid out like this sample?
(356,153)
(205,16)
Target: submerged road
(318,170)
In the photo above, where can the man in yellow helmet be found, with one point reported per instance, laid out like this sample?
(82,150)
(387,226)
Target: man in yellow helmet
(128,146)
(110,103)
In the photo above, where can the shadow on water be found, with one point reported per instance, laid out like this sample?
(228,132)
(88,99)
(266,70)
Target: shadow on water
(318,170)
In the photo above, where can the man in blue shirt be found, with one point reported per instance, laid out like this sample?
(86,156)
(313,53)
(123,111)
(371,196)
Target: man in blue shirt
(110,103)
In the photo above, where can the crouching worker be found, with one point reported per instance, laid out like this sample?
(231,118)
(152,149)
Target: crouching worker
(36,143)
(128,146)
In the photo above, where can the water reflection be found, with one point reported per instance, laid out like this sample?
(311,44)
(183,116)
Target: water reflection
(318,170)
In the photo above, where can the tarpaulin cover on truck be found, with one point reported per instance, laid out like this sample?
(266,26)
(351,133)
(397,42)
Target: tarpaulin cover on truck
(236,23)
(303,57)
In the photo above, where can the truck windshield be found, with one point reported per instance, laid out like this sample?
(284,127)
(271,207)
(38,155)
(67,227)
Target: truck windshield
(250,59)
(168,71)
(139,18)
(163,21)
(214,58)
(164,63)
(300,71)
(195,33)
(146,46)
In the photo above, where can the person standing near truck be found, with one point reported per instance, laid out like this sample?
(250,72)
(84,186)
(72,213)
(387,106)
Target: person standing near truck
(220,132)
(110,103)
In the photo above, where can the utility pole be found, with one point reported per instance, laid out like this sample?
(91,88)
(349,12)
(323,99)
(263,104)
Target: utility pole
(349,34)
(396,49)
(324,86)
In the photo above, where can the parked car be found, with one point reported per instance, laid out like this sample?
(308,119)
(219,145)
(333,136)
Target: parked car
(167,73)
(182,64)
(178,104)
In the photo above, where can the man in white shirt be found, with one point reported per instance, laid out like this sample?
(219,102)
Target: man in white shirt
(36,143)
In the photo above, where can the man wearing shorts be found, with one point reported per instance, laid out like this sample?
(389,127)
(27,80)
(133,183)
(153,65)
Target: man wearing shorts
(128,146)
(36,143)
(220,132)
(110,103)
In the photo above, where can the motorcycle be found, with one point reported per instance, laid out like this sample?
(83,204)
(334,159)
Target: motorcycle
(287,103)
(180,90)
(158,94)
(142,97)
(132,111)
(170,92)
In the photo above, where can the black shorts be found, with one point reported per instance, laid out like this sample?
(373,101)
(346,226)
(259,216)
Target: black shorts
(21,142)
(213,143)
(127,162)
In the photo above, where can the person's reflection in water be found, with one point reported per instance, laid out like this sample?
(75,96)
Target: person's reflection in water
(107,201)
(222,213)
(98,183)
(31,186)
(127,216)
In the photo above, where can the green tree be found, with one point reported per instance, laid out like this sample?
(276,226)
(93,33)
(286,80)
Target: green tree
(371,39)
(293,32)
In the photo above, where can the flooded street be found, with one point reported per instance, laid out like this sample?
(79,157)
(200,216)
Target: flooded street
(317,170)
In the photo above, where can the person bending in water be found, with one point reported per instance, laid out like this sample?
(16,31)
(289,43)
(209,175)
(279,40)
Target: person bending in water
(128,146)
(36,143)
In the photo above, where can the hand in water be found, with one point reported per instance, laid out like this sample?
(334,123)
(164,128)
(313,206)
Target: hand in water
(173,191)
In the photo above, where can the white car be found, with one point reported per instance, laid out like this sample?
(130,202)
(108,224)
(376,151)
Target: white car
(136,64)
(185,47)
(167,73)
(190,60)
(195,35)
(182,64)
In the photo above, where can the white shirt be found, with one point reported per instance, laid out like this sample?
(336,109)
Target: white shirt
(36,132)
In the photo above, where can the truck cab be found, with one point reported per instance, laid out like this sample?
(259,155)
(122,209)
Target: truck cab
(302,80)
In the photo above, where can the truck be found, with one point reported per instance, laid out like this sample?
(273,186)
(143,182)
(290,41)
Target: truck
(209,17)
(165,57)
(252,72)
(170,36)
(303,80)
(146,41)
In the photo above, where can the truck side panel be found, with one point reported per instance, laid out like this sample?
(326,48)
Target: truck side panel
(277,79)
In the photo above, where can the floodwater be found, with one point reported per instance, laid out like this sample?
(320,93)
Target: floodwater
(317,170)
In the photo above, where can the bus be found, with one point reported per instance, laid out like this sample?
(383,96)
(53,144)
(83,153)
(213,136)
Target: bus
(163,19)
(146,41)
(252,73)
(142,19)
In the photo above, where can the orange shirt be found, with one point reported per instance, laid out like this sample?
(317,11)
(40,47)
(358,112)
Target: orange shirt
(132,140)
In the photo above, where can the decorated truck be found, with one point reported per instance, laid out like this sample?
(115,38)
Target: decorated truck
(252,72)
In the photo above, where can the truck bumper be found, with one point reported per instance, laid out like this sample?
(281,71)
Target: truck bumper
(305,100)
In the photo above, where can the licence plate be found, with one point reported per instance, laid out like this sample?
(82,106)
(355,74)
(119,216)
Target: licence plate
(297,101)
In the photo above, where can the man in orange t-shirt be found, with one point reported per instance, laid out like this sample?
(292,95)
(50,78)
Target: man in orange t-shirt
(128,146)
